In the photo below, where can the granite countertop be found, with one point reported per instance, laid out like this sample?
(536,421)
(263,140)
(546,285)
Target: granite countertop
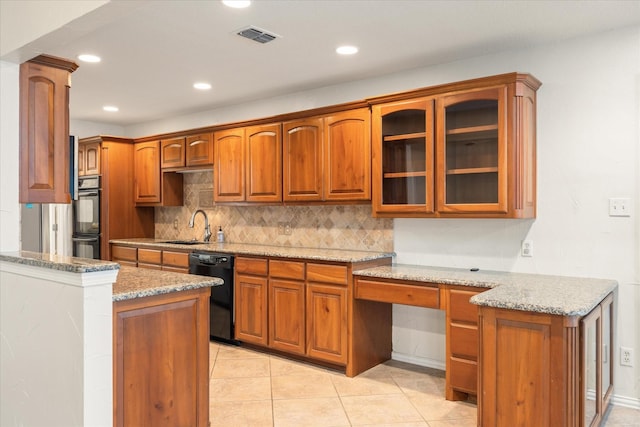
(135,282)
(334,255)
(561,295)
(58,262)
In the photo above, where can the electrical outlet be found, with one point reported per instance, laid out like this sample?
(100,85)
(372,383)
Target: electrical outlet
(526,249)
(626,356)
(175,223)
(287,229)
(281,228)
(619,207)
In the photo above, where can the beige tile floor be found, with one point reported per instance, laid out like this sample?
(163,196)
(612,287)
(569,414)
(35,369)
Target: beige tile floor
(249,388)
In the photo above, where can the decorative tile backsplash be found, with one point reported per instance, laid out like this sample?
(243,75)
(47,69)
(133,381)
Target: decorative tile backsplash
(332,226)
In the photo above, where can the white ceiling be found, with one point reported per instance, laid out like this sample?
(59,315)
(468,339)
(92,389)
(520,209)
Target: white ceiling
(153,51)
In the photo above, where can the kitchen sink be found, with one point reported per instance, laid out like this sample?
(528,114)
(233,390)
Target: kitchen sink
(184,242)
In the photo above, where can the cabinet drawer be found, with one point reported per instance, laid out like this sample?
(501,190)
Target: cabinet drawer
(150,256)
(256,266)
(124,253)
(460,309)
(176,259)
(464,341)
(464,375)
(286,269)
(325,273)
(398,293)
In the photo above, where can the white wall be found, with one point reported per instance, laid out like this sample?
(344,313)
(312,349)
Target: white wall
(85,129)
(9,133)
(588,138)
(56,354)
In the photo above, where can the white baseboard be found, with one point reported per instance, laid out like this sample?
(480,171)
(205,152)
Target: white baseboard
(417,360)
(629,402)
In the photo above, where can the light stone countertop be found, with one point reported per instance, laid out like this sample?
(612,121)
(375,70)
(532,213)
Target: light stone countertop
(333,255)
(560,295)
(135,282)
(131,282)
(58,262)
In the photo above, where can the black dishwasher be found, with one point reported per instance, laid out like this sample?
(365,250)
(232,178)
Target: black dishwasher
(221,303)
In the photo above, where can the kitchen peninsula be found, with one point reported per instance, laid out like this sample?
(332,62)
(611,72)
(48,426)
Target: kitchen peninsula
(59,315)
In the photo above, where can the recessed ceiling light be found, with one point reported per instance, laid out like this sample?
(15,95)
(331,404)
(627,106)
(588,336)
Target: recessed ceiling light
(237,4)
(110,108)
(89,58)
(202,86)
(347,50)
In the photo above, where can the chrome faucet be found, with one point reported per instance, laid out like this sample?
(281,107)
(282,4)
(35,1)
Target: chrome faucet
(207,230)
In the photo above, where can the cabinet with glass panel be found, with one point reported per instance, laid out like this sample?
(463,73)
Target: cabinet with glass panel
(404,175)
(464,149)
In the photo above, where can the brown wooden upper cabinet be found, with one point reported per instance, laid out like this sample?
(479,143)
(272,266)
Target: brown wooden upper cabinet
(248,164)
(464,149)
(146,162)
(403,157)
(199,150)
(190,151)
(152,186)
(88,158)
(328,158)
(172,153)
(44,130)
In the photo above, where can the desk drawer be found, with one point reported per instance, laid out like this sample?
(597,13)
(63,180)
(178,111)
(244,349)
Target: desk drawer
(397,293)
(464,341)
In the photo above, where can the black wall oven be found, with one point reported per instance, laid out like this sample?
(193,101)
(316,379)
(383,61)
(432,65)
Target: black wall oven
(86,219)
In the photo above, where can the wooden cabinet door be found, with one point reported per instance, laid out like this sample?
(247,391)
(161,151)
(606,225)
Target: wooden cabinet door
(251,309)
(264,163)
(199,150)
(348,156)
(229,166)
(403,158)
(91,159)
(302,151)
(147,172)
(472,152)
(82,154)
(327,323)
(161,360)
(44,130)
(287,316)
(172,153)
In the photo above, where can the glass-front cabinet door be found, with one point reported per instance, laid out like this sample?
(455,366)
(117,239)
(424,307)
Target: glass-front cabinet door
(472,152)
(403,157)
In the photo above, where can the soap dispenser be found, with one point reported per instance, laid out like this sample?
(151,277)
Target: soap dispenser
(220,234)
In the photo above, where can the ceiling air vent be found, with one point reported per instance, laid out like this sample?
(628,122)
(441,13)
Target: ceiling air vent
(257,35)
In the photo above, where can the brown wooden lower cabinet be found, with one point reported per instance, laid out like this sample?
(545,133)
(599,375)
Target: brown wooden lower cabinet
(327,323)
(155,259)
(304,308)
(542,369)
(161,360)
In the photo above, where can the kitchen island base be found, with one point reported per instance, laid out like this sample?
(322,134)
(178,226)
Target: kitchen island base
(161,360)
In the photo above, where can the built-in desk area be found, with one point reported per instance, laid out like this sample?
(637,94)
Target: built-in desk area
(530,346)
